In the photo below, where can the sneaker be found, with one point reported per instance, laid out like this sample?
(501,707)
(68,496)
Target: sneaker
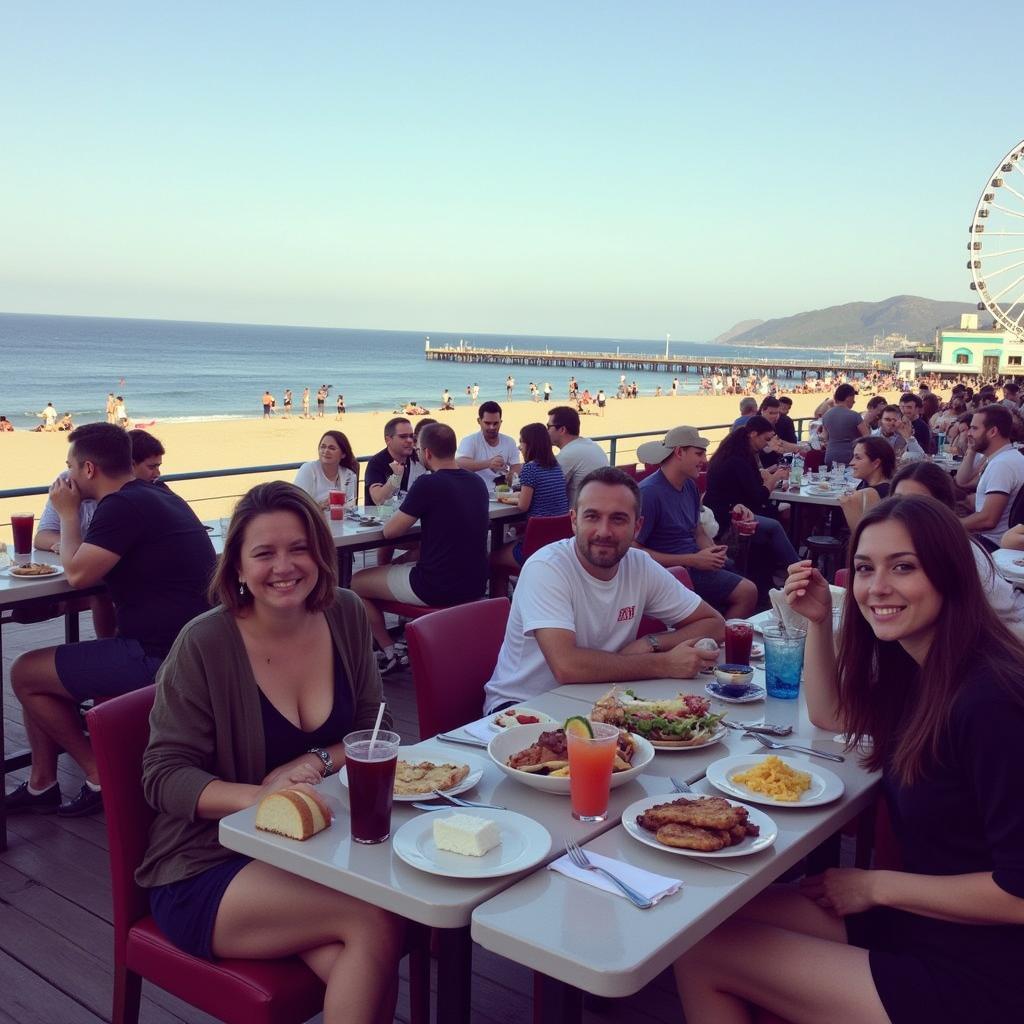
(21,801)
(88,801)
(401,647)
(396,663)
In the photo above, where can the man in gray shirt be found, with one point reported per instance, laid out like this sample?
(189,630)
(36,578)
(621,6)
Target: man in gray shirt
(842,426)
(577,455)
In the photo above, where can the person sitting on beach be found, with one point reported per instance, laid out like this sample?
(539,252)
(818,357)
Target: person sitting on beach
(577,455)
(6,426)
(671,531)
(336,469)
(579,602)
(999,479)
(873,464)
(65,424)
(255,697)
(156,559)
(930,674)
(446,401)
(493,456)
(413,408)
(452,507)
(542,492)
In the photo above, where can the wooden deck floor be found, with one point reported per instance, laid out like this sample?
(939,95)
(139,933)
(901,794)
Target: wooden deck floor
(55,916)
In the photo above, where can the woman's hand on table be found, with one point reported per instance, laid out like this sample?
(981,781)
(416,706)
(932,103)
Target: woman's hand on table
(807,592)
(305,769)
(842,890)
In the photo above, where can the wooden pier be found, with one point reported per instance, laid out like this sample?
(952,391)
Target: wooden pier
(642,363)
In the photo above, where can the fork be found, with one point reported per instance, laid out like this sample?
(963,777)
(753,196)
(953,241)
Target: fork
(678,786)
(581,860)
(459,802)
(772,745)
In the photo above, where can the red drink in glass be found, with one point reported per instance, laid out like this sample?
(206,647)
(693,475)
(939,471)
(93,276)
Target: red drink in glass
(746,527)
(22,528)
(739,636)
(371,783)
(590,771)
(337,500)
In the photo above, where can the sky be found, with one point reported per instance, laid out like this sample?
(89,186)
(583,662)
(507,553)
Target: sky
(561,168)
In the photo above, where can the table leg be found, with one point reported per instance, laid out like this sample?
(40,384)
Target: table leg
(454,975)
(345,560)
(71,627)
(555,1002)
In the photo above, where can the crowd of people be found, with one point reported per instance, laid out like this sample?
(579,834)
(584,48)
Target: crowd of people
(923,676)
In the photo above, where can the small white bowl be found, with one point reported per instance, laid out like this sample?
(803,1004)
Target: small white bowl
(511,741)
(734,675)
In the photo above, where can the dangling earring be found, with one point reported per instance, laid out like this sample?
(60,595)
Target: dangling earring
(241,588)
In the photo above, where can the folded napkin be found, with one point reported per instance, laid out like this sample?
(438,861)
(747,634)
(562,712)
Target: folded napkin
(794,620)
(654,887)
(480,729)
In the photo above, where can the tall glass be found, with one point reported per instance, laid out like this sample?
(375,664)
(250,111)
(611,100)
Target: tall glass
(371,783)
(783,661)
(590,771)
(336,500)
(22,525)
(739,637)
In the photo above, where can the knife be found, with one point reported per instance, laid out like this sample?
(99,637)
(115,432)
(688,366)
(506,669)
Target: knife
(447,737)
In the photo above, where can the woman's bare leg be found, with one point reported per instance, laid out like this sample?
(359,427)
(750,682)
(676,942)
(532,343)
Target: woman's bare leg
(352,946)
(782,953)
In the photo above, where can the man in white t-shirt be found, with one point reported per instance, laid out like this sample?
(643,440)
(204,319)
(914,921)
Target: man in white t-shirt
(579,602)
(1000,480)
(489,453)
(577,455)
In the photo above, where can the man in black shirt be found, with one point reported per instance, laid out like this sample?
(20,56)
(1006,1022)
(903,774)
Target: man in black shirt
(452,507)
(910,406)
(156,559)
(394,467)
(785,428)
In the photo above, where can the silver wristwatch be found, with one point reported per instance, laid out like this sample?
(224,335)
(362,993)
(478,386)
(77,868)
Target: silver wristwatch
(653,642)
(325,757)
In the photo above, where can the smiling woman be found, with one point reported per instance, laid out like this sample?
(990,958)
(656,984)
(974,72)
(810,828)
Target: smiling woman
(256,697)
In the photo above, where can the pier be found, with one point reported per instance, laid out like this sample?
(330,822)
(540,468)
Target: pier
(641,363)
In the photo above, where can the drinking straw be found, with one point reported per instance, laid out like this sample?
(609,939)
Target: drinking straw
(376,729)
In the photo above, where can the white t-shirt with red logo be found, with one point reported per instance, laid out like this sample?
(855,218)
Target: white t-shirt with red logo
(556,592)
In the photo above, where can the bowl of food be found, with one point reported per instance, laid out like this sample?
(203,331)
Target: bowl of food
(537,756)
(733,680)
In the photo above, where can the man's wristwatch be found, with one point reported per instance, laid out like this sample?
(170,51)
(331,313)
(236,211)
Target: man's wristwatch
(654,643)
(328,761)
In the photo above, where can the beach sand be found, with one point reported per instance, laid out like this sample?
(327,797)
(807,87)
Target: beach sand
(31,459)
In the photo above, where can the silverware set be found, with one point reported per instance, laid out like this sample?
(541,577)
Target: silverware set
(576,854)
(452,801)
(772,745)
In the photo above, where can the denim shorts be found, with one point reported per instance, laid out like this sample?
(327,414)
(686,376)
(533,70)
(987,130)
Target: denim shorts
(104,668)
(715,586)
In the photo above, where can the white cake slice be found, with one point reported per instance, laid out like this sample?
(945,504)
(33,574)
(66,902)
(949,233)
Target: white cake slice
(466,835)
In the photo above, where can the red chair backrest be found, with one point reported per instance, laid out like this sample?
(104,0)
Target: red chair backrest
(842,577)
(544,530)
(814,460)
(649,624)
(119,730)
(638,474)
(629,469)
(453,652)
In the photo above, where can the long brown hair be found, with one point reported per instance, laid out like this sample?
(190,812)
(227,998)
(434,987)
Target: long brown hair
(348,460)
(882,692)
(537,442)
(276,496)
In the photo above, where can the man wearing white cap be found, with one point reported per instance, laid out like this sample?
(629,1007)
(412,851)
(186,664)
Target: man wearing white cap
(671,532)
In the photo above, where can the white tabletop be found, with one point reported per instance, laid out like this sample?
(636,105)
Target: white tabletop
(805,497)
(15,590)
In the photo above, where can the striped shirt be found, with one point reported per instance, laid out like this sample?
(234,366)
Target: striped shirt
(549,497)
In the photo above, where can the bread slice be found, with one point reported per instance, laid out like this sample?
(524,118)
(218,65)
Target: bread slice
(294,813)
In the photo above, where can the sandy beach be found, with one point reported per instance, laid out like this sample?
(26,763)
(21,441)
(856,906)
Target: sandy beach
(31,459)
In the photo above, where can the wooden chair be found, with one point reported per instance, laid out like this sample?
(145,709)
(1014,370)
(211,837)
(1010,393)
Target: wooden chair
(280,991)
(453,653)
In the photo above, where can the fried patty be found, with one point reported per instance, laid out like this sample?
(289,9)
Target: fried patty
(686,837)
(712,812)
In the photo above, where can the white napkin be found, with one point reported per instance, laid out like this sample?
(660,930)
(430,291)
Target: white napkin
(654,887)
(794,620)
(480,730)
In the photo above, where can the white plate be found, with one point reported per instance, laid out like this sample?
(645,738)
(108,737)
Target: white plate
(676,749)
(825,785)
(542,719)
(6,571)
(438,756)
(769,830)
(750,698)
(511,741)
(1006,562)
(524,842)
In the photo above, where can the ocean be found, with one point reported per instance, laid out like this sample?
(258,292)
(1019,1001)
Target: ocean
(171,370)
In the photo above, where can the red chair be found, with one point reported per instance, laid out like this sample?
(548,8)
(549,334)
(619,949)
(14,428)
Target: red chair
(403,610)
(453,653)
(281,991)
(634,470)
(544,530)
(649,624)
(842,577)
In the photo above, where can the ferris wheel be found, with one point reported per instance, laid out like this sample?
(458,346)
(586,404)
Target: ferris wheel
(997,244)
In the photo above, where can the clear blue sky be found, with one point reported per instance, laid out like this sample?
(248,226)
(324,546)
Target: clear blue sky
(602,169)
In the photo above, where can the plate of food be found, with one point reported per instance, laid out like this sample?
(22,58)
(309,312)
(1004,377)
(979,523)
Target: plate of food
(775,781)
(33,571)
(699,826)
(518,715)
(538,756)
(476,843)
(419,772)
(684,722)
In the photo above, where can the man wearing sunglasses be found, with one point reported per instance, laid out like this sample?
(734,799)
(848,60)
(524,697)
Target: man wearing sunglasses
(393,468)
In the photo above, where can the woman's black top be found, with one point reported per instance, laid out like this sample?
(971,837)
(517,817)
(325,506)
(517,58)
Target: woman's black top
(735,480)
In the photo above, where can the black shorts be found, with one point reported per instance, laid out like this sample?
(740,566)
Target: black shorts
(105,668)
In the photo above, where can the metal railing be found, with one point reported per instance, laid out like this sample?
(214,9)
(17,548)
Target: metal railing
(615,450)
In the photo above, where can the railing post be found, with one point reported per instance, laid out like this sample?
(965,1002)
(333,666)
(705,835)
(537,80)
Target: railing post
(611,452)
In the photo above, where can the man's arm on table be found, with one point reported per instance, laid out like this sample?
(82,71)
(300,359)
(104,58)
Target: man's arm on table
(987,517)
(399,523)
(495,462)
(677,658)
(47,540)
(708,556)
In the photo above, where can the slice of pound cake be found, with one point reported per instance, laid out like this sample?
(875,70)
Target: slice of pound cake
(295,813)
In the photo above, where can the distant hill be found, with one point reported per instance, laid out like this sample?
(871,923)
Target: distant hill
(856,323)
(736,330)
